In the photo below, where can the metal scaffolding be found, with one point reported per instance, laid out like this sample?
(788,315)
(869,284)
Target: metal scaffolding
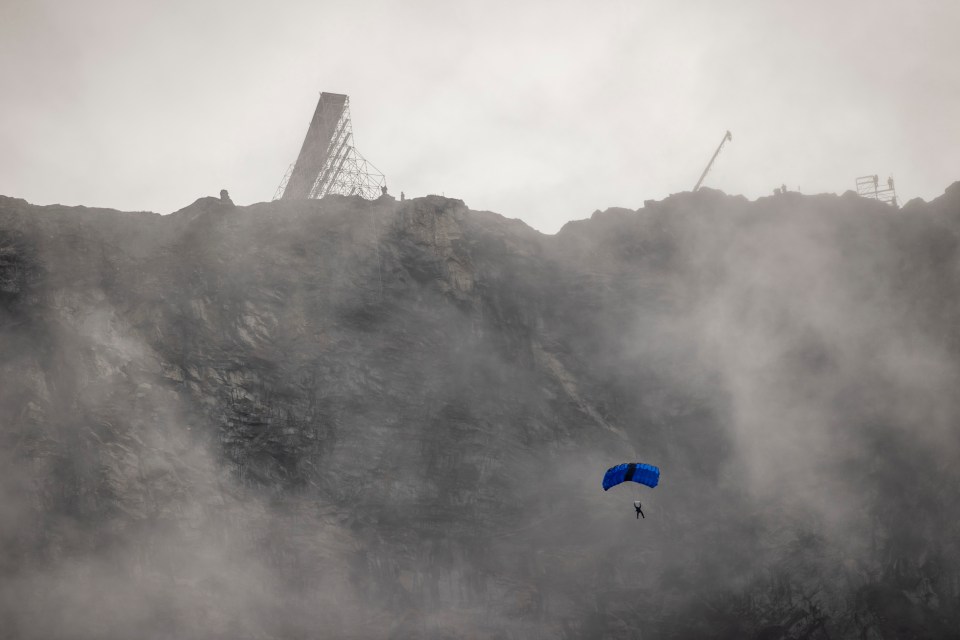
(328,162)
(869,187)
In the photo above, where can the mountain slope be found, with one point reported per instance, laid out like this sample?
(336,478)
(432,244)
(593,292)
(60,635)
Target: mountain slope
(354,419)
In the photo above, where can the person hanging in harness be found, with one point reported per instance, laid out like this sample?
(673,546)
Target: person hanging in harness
(636,505)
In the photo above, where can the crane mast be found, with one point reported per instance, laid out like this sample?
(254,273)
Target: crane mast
(703,175)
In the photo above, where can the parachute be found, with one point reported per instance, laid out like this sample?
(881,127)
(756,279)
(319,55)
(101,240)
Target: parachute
(631,472)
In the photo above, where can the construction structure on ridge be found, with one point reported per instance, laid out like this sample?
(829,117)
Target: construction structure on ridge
(869,187)
(328,162)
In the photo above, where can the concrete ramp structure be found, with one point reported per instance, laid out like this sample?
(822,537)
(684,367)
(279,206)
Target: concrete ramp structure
(328,162)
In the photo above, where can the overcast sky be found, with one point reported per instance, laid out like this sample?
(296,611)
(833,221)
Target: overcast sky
(539,110)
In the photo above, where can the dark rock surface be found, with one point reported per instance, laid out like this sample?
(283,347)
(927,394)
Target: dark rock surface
(349,419)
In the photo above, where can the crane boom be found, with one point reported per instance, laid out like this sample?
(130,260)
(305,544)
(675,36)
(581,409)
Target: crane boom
(703,175)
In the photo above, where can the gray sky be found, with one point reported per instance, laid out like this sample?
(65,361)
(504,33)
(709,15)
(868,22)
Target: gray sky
(539,110)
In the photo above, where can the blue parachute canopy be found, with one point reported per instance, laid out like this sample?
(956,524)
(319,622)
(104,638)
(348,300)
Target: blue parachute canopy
(631,472)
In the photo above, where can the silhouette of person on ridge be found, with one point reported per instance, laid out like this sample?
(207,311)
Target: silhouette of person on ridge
(636,505)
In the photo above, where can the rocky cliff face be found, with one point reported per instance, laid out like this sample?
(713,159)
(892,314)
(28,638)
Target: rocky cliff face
(340,418)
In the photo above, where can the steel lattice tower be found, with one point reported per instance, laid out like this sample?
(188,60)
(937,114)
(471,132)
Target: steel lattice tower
(328,161)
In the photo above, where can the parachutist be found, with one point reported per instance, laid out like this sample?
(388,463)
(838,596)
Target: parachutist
(639,472)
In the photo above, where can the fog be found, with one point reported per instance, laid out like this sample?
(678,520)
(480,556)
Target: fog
(391,420)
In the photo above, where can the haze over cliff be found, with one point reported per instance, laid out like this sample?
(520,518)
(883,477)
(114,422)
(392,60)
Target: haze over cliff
(343,418)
